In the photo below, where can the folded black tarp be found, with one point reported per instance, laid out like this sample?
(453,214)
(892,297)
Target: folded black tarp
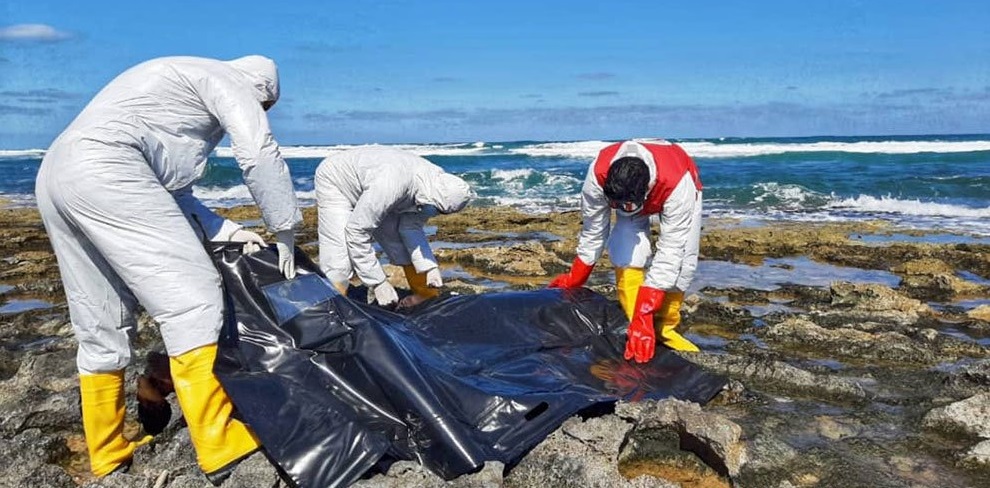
(331,385)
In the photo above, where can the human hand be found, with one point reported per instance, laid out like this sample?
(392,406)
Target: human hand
(286,253)
(252,242)
(433,278)
(385,294)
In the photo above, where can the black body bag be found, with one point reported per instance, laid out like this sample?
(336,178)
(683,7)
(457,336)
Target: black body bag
(332,386)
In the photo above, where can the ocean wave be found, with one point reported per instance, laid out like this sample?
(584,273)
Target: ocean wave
(215,196)
(589,149)
(889,205)
(320,152)
(703,149)
(21,153)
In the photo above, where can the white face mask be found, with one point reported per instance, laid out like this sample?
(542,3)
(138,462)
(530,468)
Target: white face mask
(626,208)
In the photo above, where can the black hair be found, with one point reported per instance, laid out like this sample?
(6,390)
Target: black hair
(627,180)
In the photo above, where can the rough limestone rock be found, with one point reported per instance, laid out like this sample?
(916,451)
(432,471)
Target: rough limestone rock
(716,439)
(527,259)
(971,416)
(980,313)
(766,372)
(28,460)
(409,474)
(977,456)
(580,454)
(877,302)
(848,342)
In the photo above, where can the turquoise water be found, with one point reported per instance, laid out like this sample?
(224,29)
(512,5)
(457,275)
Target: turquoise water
(926,182)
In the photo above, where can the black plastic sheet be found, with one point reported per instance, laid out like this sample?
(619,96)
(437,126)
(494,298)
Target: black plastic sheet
(331,385)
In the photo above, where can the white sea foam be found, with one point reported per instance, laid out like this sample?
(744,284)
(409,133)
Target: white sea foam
(215,196)
(319,152)
(870,204)
(511,174)
(21,153)
(589,149)
(580,150)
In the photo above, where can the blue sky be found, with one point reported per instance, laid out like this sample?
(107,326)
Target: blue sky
(418,71)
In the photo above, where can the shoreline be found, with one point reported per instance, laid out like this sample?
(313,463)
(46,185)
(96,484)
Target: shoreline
(840,342)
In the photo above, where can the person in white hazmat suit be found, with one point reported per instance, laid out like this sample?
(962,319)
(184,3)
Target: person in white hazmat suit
(383,194)
(115,194)
(637,180)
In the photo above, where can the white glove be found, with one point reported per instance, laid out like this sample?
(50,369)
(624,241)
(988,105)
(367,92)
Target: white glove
(286,245)
(385,294)
(252,242)
(433,279)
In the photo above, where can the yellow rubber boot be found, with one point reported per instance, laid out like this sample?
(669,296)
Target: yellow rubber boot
(220,440)
(417,283)
(670,317)
(102,397)
(627,283)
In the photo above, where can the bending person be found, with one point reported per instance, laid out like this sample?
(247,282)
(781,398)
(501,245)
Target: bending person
(639,180)
(114,191)
(386,195)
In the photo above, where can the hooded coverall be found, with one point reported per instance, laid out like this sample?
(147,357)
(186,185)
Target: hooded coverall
(674,194)
(115,193)
(386,195)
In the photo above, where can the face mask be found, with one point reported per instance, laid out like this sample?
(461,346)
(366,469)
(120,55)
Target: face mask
(626,208)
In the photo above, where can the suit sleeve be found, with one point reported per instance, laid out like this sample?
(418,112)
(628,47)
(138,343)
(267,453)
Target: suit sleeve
(596,217)
(675,229)
(265,172)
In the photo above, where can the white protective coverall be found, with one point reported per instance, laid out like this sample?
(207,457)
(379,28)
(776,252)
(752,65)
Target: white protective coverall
(676,258)
(114,191)
(380,194)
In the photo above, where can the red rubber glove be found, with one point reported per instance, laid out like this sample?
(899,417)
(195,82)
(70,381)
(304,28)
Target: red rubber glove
(641,338)
(574,278)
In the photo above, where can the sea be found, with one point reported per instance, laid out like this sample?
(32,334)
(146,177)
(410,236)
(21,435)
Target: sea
(930,182)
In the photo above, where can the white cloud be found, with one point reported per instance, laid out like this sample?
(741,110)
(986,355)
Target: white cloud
(32,32)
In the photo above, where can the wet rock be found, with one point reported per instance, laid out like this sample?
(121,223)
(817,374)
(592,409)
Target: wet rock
(767,451)
(980,313)
(805,335)
(714,438)
(970,416)
(834,429)
(870,301)
(526,259)
(725,315)
(656,452)
(969,378)
(766,373)
(977,456)
(579,454)
(923,266)
(29,460)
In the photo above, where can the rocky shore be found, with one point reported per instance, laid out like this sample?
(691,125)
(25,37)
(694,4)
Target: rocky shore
(859,355)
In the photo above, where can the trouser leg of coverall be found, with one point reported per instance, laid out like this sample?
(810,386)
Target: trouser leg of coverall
(334,210)
(135,225)
(629,251)
(390,239)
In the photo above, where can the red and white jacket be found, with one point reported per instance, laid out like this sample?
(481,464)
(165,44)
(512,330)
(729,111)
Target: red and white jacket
(675,188)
